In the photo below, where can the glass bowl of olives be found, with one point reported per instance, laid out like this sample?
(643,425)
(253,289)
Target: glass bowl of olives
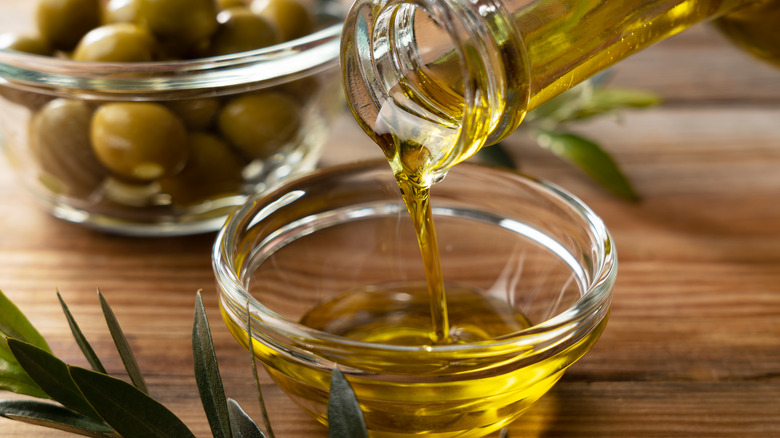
(160,117)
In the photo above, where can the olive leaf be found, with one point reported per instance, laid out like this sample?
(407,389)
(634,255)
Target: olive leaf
(261,400)
(212,393)
(590,158)
(14,324)
(130,411)
(81,340)
(97,405)
(242,424)
(604,100)
(560,108)
(12,376)
(547,125)
(122,346)
(54,417)
(345,419)
(51,374)
(496,155)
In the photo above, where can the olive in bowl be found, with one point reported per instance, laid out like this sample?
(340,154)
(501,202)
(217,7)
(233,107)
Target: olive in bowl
(160,117)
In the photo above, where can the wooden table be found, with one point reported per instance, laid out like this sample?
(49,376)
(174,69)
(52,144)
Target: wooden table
(693,344)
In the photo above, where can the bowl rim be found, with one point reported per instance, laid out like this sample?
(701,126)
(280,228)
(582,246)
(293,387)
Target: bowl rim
(582,316)
(268,66)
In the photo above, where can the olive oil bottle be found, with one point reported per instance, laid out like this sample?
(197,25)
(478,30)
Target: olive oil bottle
(455,75)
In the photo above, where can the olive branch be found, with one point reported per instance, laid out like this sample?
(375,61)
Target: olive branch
(549,126)
(92,403)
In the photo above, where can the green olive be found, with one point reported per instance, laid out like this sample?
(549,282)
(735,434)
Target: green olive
(241,30)
(260,124)
(59,141)
(226,4)
(31,100)
(291,18)
(64,22)
(25,43)
(213,169)
(197,114)
(180,25)
(140,141)
(130,194)
(117,42)
(302,89)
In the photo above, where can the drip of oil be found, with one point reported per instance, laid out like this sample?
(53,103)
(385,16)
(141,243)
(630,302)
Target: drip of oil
(415,145)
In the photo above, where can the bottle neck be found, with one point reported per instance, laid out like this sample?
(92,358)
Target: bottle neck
(432,81)
(570,41)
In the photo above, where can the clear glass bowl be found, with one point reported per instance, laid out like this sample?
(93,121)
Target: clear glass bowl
(328,268)
(46,103)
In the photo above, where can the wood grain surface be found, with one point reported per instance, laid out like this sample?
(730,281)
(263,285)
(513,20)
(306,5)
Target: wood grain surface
(692,348)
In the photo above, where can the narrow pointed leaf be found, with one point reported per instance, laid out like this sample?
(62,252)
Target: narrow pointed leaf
(122,346)
(212,393)
(14,324)
(345,419)
(54,417)
(562,106)
(130,411)
(81,340)
(604,100)
(496,155)
(51,374)
(261,400)
(590,158)
(242,424)
(12,376)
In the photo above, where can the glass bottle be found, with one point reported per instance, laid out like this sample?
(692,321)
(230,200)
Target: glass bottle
(432,81)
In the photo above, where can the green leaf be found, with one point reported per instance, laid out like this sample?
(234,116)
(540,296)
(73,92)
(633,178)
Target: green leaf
(604,100)
(345,419)
(122,346)
(81,340)
(54,417)
(496,155)
(51,374)
(130,411)
(242,424)
(251,344)
(14,324)
(14,379)
(589,157)
(561,107)
(212,393)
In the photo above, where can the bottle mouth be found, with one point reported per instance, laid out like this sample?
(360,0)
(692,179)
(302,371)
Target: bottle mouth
(453,72)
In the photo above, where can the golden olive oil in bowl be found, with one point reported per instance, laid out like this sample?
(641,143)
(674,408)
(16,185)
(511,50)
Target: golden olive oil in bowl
(330,270)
